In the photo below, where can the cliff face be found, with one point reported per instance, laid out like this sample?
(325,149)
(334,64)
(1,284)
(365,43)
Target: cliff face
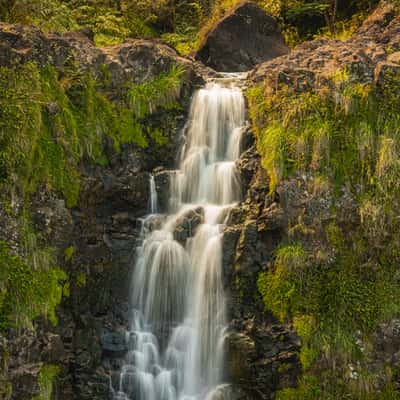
(93,239)
(286,204)
(319,219)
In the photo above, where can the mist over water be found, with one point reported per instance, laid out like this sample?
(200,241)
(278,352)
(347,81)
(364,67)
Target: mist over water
(178,317)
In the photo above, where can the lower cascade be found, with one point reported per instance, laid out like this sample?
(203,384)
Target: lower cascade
(178,306)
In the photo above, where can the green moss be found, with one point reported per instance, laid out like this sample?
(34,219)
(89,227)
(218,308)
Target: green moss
(328,303)
(280,288)
(69,253)
(333,133)
(162,91)
(50,121)
(81,279)
(47,376)
(27,293)
(306,328)
(309,389)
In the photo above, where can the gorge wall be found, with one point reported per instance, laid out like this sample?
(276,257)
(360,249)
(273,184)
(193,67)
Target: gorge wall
(93,238)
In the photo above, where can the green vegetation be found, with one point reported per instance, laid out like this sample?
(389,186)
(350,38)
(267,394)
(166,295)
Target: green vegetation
(182,23)
(5,385)
(50,122)
(334,134)
(163,92)
(337,292)
(46,381)
(26,293)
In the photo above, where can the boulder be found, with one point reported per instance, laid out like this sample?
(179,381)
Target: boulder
(244,38)
(187,223)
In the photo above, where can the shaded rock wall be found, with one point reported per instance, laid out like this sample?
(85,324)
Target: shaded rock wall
(94,241)
(262,353)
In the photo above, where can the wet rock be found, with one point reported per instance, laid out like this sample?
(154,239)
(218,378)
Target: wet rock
(53,220)
(246,255)
(247,166)
(273,218)
(245,37)
(187,223)
(240,349)
(114,343)
(52,108)
(229,243)
(53,350)
(162,180)
(24,380)
(385,72)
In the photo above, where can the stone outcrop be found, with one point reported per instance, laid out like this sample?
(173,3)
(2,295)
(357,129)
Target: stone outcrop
(371,55)
(244,38)
(131,62)
(94,242)
(295,210)
(263,353)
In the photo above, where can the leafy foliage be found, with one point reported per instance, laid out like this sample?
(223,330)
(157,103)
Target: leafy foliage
(162,91)
(347,137)
(50,121)
(26,293)
(182,23)
(46,380)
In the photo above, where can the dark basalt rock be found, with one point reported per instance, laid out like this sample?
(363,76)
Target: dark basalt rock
(162,180)
(246,37)
(24,381)
(114,344)
(187,224)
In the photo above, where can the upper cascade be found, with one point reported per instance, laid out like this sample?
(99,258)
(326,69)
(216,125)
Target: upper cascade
(178,308)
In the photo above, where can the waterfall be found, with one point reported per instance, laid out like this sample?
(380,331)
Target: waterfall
(153,196)
(178,321)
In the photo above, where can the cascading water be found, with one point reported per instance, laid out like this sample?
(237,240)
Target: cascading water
(153,196)
(176,349)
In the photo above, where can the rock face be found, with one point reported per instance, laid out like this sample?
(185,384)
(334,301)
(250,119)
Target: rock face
(245,37)
(262,353)
(371,55)
(100,233)
(130,62)
(296,211)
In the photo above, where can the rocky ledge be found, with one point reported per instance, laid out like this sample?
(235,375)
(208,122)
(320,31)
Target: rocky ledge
(370,55)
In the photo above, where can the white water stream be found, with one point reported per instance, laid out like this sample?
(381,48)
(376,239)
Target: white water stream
(176,337)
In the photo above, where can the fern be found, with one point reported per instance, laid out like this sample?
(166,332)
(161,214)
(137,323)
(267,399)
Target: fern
(160,92)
